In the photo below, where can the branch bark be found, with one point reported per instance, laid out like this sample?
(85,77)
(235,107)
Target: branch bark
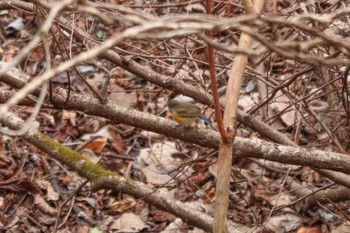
(102,178)
(227,148)
(244,147)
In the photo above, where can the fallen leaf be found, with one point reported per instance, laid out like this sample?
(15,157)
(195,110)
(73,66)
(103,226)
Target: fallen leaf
(97,145)
(162,216)
(119,145)
(128,222)
(122,206)
(309,230)
(41,204)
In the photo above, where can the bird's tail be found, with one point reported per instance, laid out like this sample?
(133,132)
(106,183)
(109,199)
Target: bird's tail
(203,118)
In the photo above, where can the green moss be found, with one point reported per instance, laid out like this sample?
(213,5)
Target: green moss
(72,159)
(94,171)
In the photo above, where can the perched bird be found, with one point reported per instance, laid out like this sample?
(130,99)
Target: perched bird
(185,112)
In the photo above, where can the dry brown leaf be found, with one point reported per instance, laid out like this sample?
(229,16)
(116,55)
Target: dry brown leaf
(309,230)
(20,183)
(122,206)
(41,204)
(65,180)
(9,171)
(45,219)
(119,145)
(283,223)
(9,201)
(162,216)
(128,222)
(51,194)
(69,116)
(97,145)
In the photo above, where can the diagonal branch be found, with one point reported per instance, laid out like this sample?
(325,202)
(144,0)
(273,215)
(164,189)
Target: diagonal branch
(106,179)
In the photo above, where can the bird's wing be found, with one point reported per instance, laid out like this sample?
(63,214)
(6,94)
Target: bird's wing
(184,112)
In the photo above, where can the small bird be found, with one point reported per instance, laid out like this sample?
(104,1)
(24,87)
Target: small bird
(185,112)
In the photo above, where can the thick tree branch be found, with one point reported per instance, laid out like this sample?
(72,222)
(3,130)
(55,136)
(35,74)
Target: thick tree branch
(244,147)
(107,179)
